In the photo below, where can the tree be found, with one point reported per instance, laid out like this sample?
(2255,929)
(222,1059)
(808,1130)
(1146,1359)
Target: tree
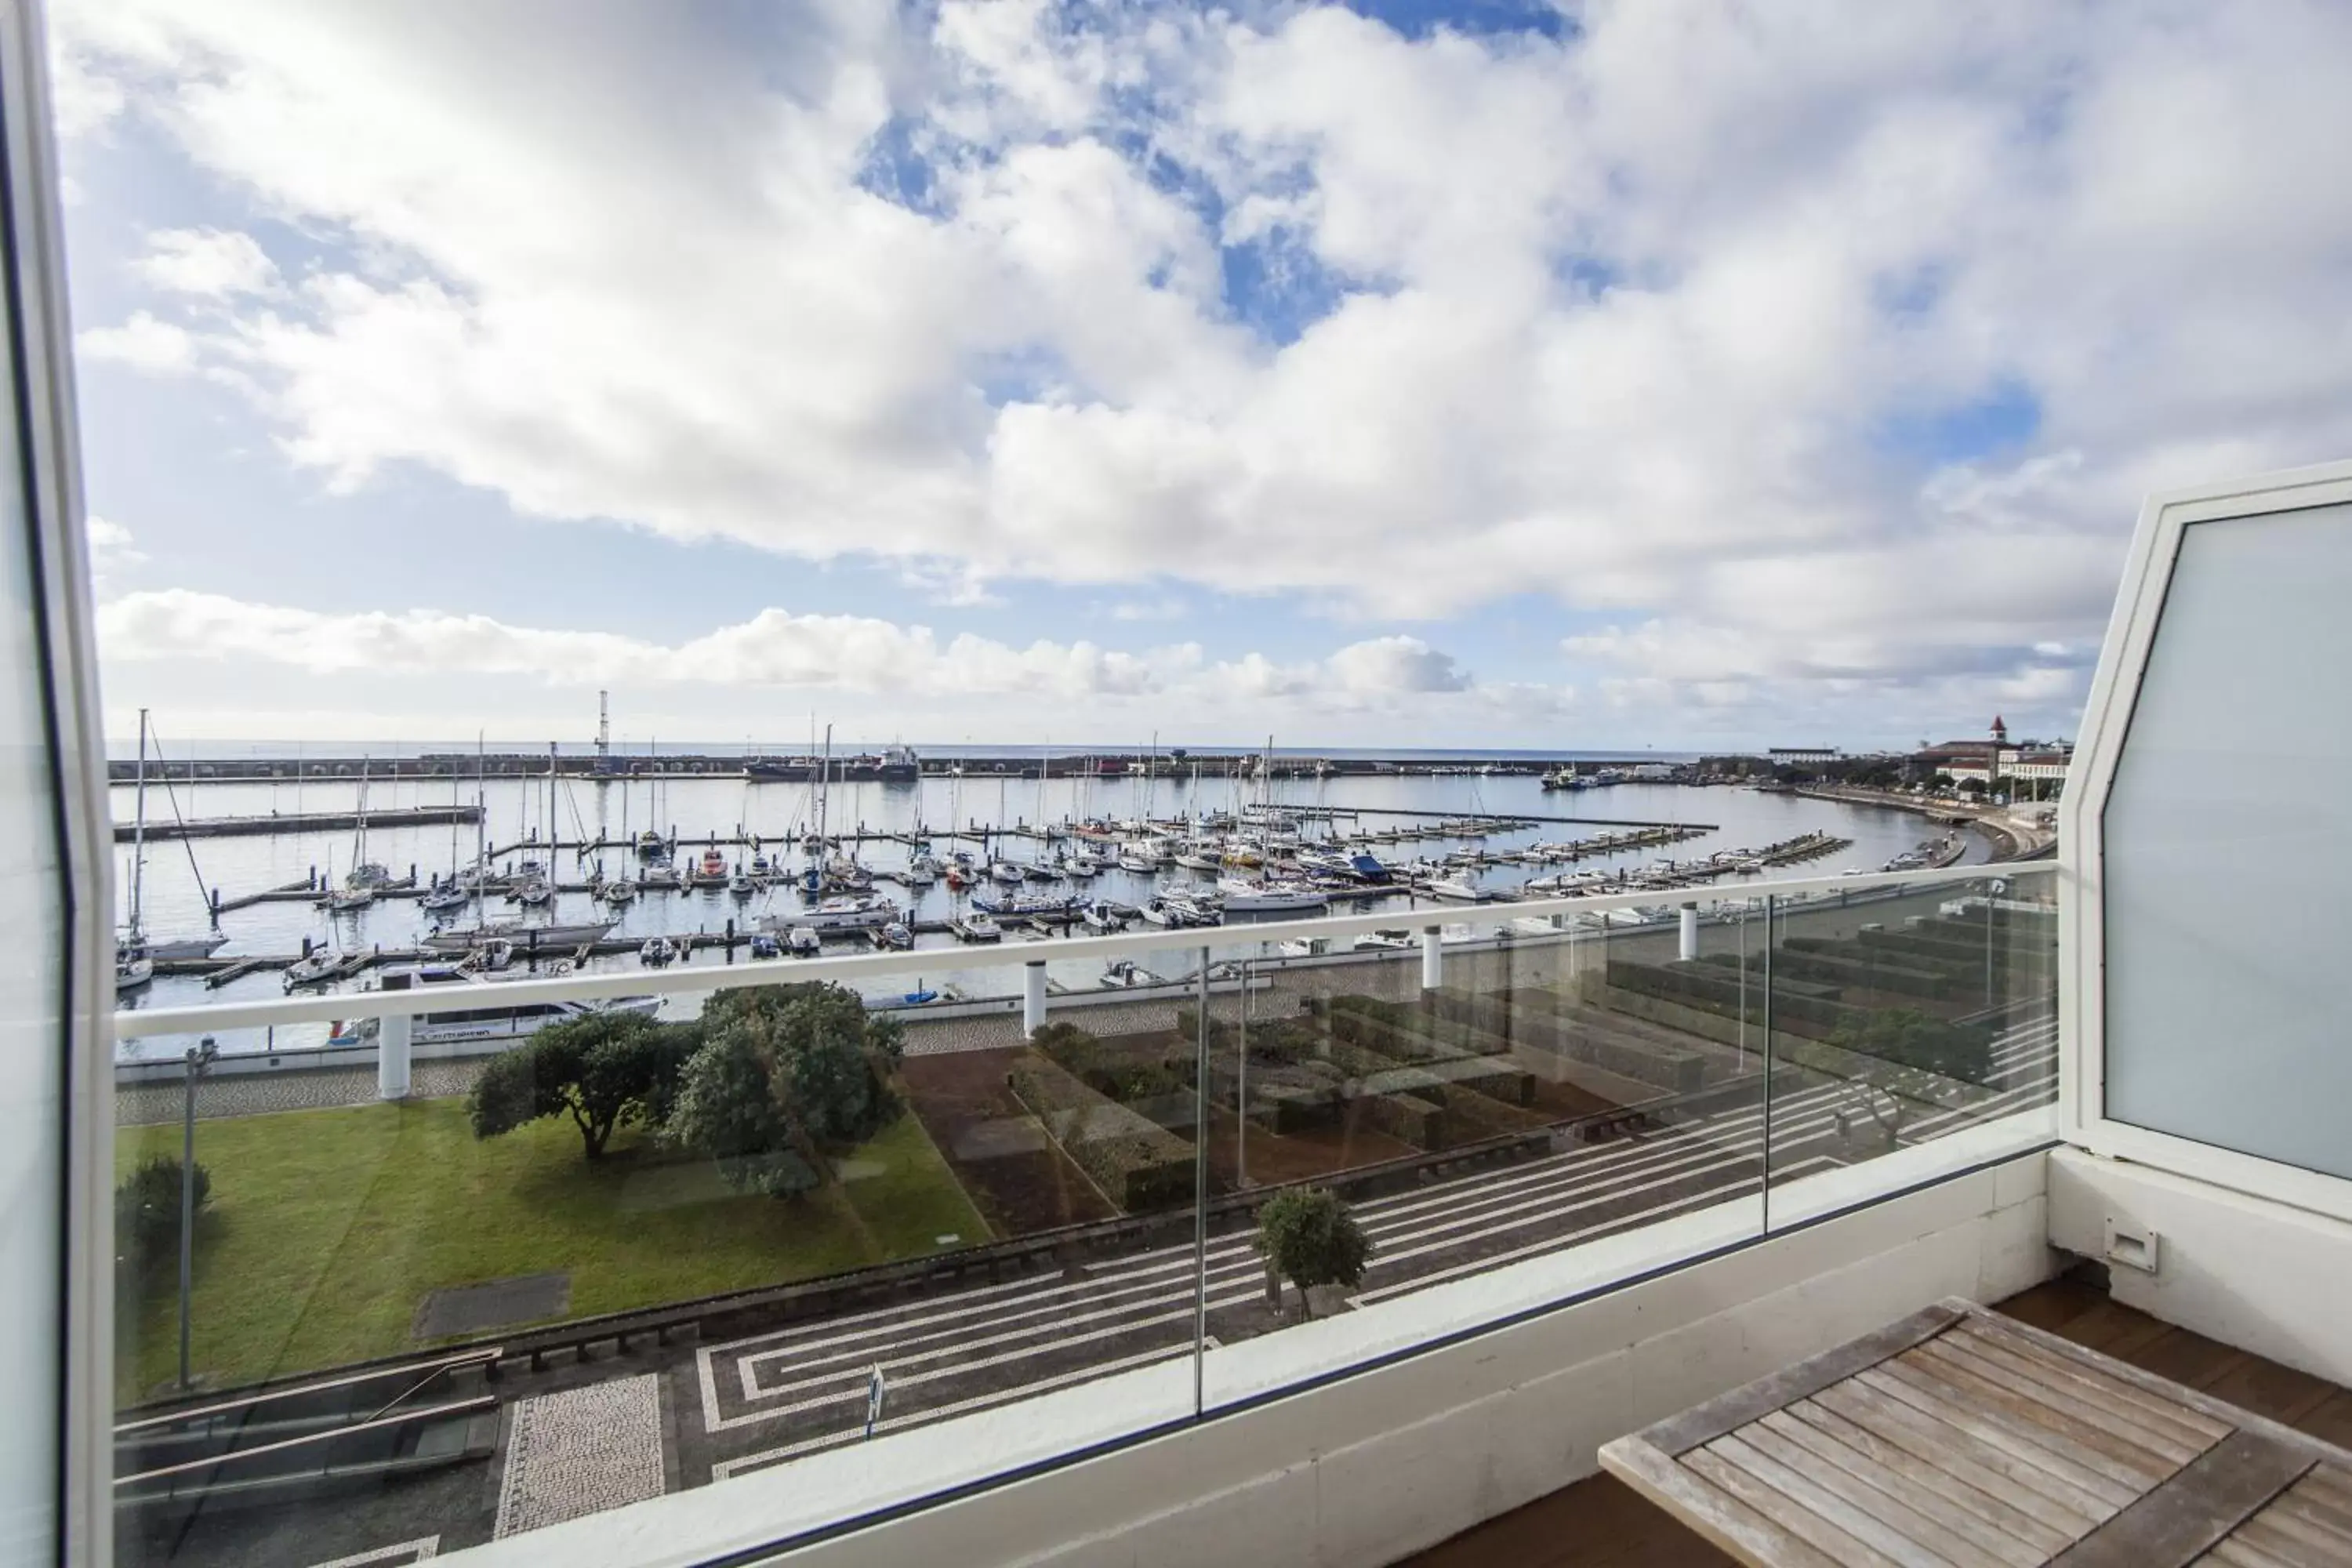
(606,1069)
(783,1073)
(147,1212)
(1307,1236)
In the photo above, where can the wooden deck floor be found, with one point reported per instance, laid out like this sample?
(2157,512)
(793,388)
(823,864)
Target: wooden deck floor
(1598,1523)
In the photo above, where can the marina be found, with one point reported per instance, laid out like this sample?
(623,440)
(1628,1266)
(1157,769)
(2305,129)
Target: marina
(554,871)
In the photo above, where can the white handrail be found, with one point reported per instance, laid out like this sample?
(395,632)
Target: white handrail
(147,1022)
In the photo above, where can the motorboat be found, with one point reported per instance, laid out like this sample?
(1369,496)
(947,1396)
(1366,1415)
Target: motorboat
(488,958)
(1101,916)
(1175,911)
(1131,858)
(851,911)
(1383,941)
(766,946)
(1006,872)
(740,884)
(1025,906)
(657,952)
(1455,890)
(803,942)
(978,926)
(1368,867)
(448,895)
(1199,860)
(1270,897)
(131,972)
(536,894)
(713,867)
(618,893)
(897,934)
(659,877)
(650,844)
(1124,974)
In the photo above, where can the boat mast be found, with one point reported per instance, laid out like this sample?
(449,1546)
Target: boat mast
(139,833)
(481,813)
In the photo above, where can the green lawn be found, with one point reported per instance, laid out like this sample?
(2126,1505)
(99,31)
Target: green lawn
(327,1227)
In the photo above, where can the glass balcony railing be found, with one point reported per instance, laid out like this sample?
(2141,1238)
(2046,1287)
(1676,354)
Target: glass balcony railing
(629,1233)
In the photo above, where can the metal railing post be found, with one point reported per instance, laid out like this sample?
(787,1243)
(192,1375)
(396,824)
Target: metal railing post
(1433,958)
(200,1057)
(1201,1200)
(1772,905)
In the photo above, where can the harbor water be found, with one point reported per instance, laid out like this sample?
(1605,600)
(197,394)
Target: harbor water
(525,811)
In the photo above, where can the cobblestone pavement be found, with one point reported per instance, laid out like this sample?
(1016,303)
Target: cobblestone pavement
(582,1451)
(257,1094)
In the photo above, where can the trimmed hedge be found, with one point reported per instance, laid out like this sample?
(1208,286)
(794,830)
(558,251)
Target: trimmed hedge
(1137,1163)
(1393,1032)
(1842,967)
(1533,1021)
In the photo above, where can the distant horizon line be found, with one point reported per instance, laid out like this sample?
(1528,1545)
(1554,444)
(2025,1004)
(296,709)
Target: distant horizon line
(181,749)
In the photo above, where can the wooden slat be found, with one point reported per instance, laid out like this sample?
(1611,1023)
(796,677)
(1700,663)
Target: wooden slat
(2330,1510)
(2035,1444)
(1960,1533)
(1702,1424)
(2139,1377)
(2132,1461)
(2178,1522)
(2333,1482)
(2090,1413)
(1899,1539)
(1950,1475)
(1784,1510)
(2071,1373)
(2238,1554)
(2279,1530)
(2021,1481)
(1726,1522)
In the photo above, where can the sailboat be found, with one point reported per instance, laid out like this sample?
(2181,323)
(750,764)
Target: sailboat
(133,967)
(365,875)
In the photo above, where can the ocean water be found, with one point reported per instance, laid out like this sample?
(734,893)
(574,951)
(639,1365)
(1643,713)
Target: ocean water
(1732,817)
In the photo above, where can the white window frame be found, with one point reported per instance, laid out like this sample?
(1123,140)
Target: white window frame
(2081,936)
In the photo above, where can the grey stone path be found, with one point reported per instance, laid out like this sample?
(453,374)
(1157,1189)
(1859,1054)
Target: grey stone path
(582,1451)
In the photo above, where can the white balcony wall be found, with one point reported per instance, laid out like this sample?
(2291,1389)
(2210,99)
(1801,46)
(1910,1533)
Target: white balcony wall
(1373,1467)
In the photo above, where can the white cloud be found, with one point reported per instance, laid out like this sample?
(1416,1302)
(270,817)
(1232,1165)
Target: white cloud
(206,262)
(1631,321)
(142,343)
(111,544)
(774,649)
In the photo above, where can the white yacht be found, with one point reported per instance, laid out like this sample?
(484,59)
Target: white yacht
(462,939)
(131,972)
(1248,897)
(851,911)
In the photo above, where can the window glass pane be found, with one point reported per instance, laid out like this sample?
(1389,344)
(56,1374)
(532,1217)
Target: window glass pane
(2227,842)
(31,1047)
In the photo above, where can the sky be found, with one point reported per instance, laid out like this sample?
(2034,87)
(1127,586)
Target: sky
(1686,373)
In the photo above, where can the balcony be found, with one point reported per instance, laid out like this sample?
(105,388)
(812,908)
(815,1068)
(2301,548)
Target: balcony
(1042,1257)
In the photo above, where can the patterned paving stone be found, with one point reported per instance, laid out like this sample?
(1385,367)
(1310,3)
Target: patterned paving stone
(582,1451)
(395,1556)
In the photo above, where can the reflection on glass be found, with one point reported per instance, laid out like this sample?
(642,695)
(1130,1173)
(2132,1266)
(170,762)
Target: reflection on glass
(712,1236)
(1901,1017)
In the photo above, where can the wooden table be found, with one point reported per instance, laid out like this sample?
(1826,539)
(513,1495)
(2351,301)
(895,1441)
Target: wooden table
(1961,1438)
